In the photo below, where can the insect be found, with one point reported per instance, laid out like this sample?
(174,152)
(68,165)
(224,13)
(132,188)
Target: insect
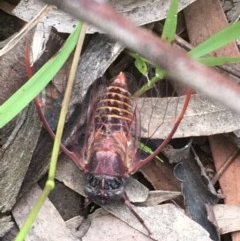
(109,156)
(111,145)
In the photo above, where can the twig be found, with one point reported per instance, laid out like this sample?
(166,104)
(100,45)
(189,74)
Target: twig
(225,166)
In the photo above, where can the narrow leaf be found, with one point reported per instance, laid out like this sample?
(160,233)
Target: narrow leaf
(148,150)
(218,40)
(141,65)
(170,25)
(215,61)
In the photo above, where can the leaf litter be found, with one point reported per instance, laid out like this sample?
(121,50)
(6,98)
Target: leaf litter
(157,216)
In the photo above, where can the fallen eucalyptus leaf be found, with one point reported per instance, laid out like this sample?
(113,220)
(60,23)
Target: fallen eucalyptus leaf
(140,12)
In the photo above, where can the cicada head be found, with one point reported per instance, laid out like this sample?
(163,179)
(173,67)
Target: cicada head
(103,189)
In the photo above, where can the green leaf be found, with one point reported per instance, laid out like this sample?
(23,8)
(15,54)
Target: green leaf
(20,99)
(160,73)
(141,66)
(214,61)
(218,40)
(148,150)
(140,63)
(168,34)
(170,25)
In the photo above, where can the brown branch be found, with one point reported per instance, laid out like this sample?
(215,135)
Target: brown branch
(178,65)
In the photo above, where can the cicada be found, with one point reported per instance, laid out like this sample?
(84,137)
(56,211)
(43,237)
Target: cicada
(110,152)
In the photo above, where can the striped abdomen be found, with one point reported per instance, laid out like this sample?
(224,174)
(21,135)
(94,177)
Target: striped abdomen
(114,111)
(112,143)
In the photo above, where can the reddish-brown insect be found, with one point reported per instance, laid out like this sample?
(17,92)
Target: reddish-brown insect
(109,154)
(111,144)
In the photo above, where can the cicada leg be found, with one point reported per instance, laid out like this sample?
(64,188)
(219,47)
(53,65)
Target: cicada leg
(130,207)
(73,156)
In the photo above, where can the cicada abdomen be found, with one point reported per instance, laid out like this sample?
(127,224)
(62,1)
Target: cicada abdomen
(111,144)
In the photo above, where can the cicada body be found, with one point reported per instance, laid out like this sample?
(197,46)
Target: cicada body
(111,144)
(109,155)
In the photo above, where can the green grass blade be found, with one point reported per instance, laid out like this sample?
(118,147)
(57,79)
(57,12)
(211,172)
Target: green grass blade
(170,25)
(20,99)
(214,61)
(168,34)
(32,215)
(148,150)
(218,40)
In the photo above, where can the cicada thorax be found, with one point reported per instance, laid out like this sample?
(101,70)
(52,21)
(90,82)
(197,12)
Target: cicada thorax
(111,143)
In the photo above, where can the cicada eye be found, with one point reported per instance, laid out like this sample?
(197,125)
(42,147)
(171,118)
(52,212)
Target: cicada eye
(92,181)
(114,183)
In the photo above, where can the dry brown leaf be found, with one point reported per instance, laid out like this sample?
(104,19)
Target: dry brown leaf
(203,117)
(159,196)
(140,12)
(5,225)
(205,18)
(161,176)
(171,224)
(166,222)
(107,227)
(222,148)
(228,217)
(49,225)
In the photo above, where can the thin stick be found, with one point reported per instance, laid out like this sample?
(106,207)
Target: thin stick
(223,168)
(63,113)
